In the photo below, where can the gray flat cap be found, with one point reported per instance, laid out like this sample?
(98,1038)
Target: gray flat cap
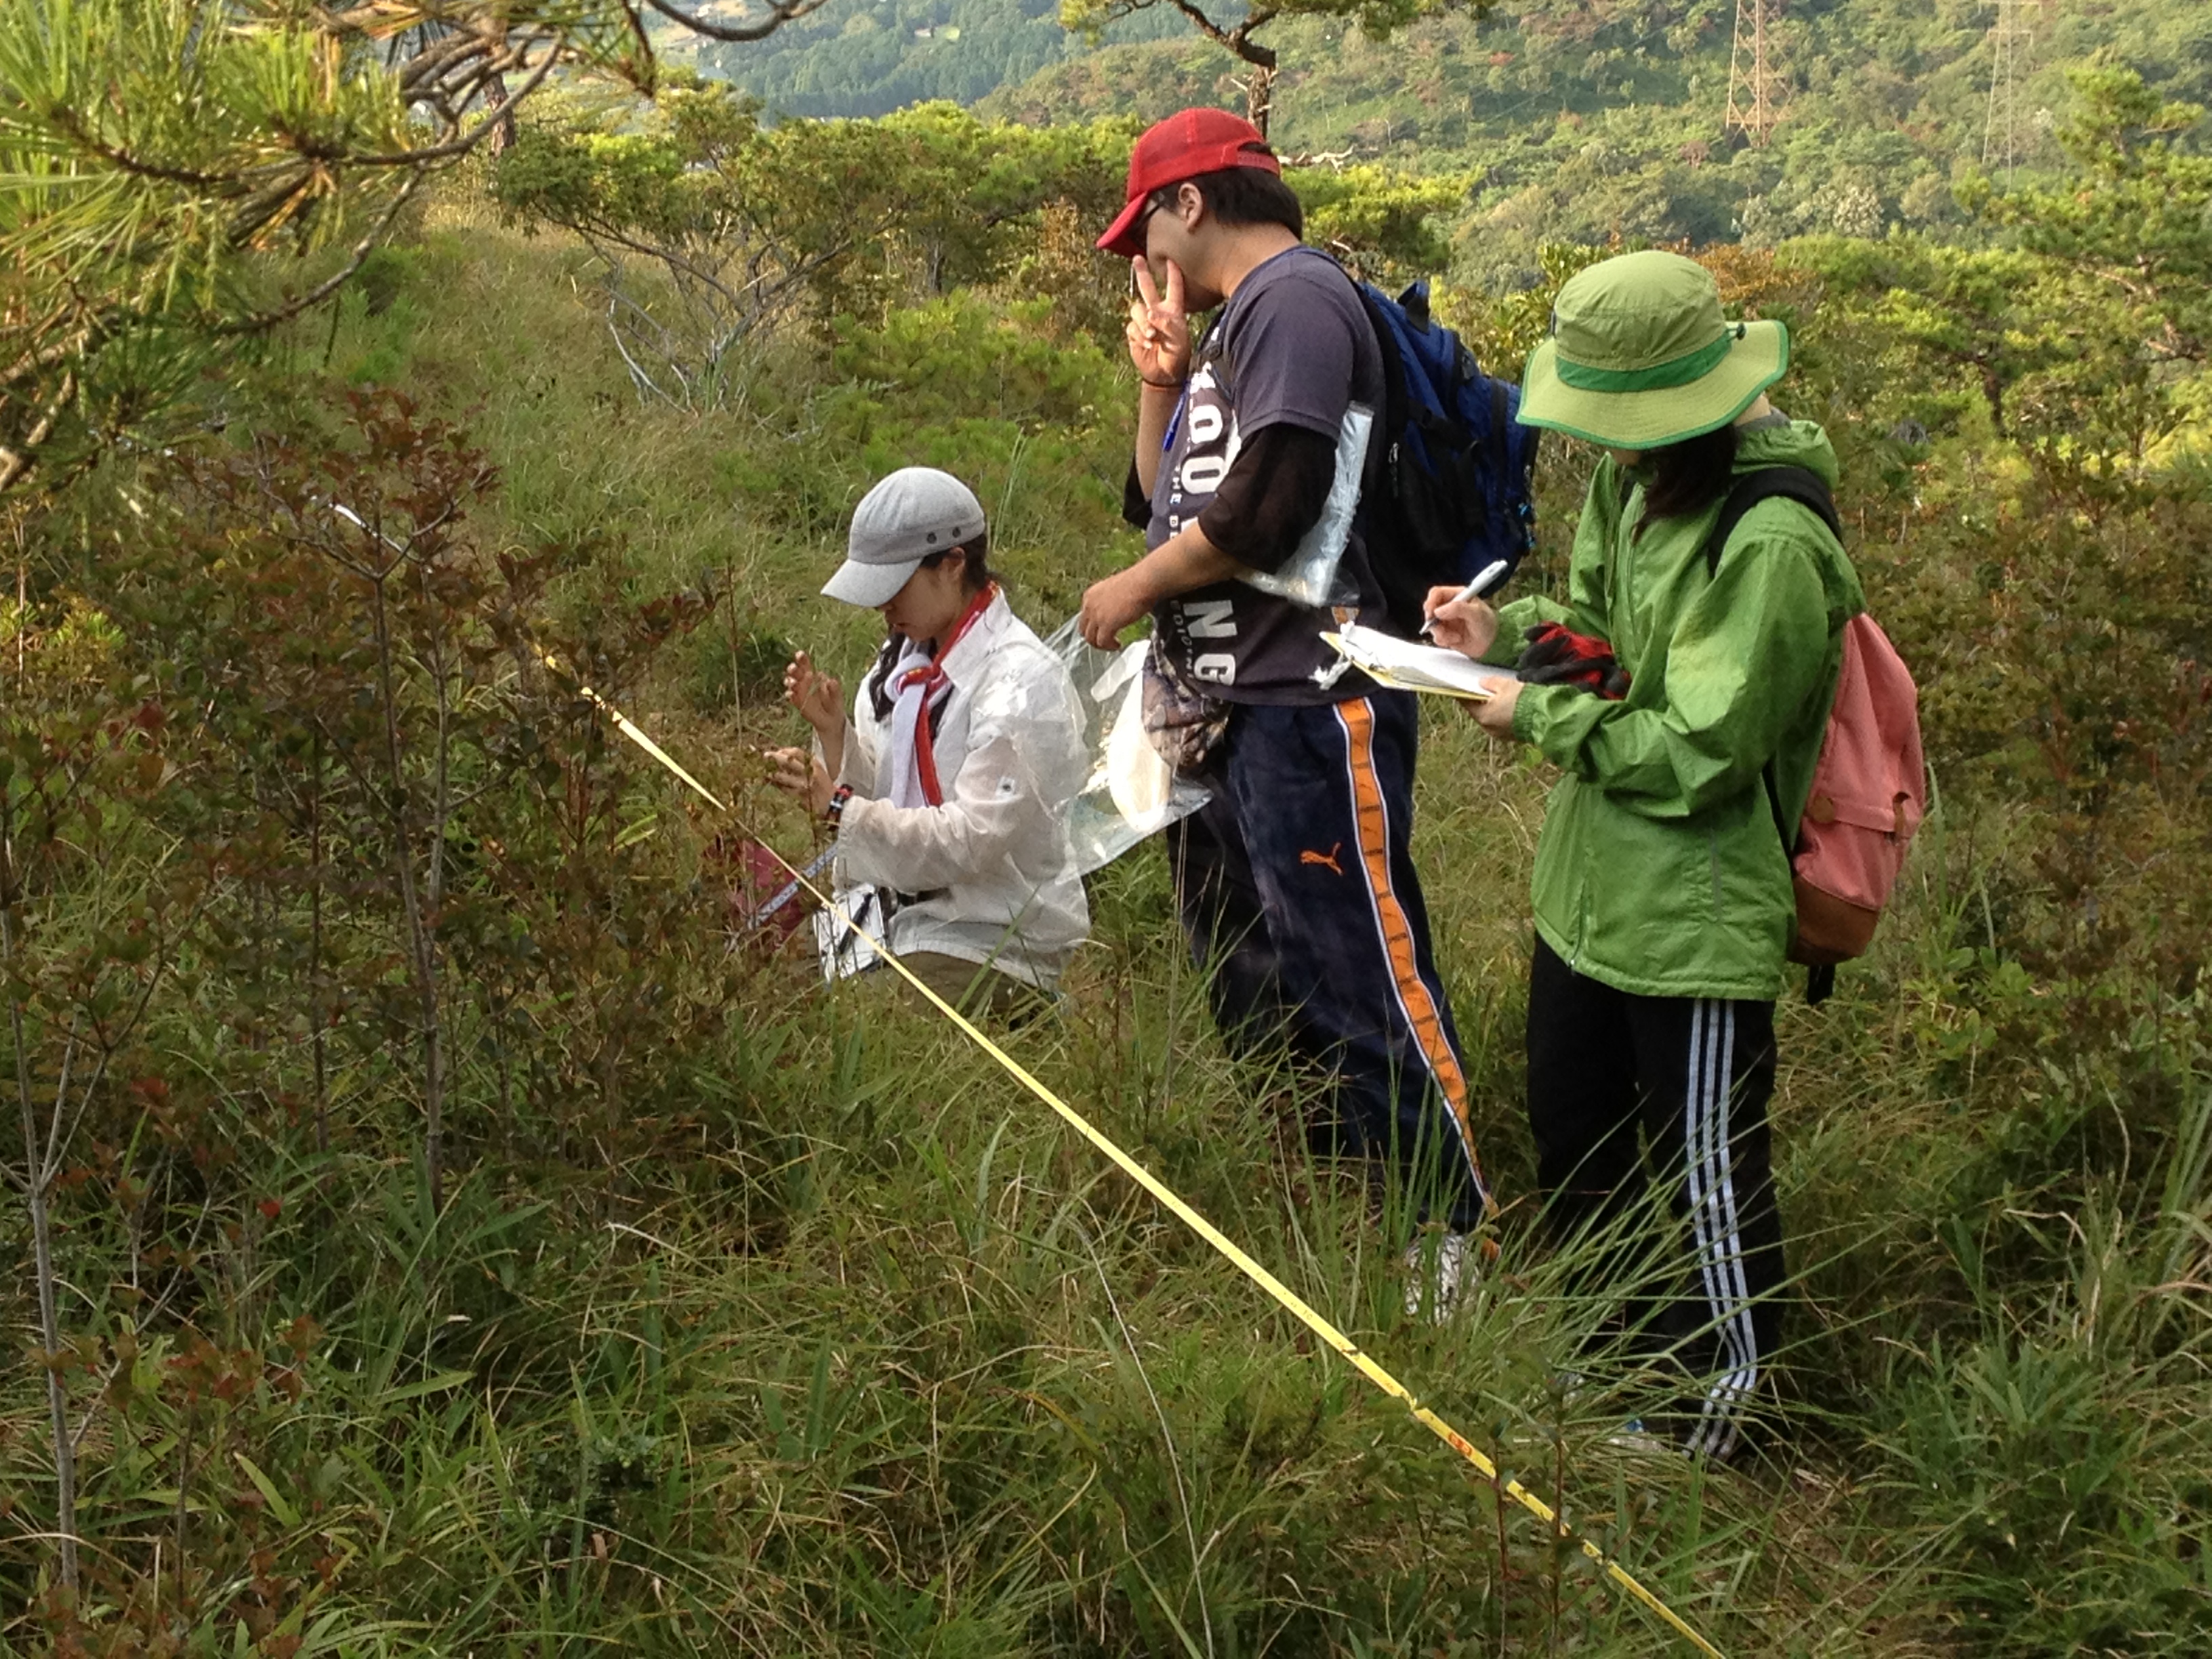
(915,512)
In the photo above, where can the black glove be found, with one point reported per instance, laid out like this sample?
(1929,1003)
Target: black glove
(1557,655)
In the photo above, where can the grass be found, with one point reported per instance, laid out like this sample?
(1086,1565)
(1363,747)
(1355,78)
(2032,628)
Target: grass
(866,1353)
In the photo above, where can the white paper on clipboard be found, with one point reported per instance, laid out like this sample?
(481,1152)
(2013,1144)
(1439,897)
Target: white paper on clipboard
(1406,665)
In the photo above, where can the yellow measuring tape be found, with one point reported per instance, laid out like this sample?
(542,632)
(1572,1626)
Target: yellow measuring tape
(1283,1294)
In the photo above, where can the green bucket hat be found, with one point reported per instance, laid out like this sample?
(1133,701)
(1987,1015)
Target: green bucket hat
(1640,356)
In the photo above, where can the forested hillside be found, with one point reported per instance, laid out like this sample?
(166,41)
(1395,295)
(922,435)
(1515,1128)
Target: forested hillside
(439,1222)
(873,56)
(1566,119)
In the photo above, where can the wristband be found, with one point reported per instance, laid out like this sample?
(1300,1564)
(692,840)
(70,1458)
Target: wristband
(1161,386)
(835,809)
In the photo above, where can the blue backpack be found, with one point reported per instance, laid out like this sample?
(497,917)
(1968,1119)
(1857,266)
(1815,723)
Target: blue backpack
(1448,485)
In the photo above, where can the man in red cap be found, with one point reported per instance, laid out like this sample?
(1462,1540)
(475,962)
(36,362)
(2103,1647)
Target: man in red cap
(1295,883)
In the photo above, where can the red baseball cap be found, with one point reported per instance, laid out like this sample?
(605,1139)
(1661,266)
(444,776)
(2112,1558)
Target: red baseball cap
(1183,146)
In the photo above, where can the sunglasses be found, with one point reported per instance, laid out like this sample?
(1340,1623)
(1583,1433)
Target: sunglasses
(1142,229)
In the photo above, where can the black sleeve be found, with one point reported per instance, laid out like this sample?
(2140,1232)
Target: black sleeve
(1272,494)
(1136,500)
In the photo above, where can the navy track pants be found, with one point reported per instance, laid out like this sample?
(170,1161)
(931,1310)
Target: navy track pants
(1297,888)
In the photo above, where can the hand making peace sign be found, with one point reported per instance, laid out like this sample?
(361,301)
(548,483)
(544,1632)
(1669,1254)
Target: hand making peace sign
(1159,331)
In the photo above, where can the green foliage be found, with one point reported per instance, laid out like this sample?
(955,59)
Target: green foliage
(146,149)
(761,1317)
(2062,1519)
(1953,314)
(869,60)
(962,354)
(1237,29)
(1503,330)
(2138,220)
(1380,222)
(2051,372)
(138,140)
(744,223)
(1376,19)
(155,158)
(1583,121)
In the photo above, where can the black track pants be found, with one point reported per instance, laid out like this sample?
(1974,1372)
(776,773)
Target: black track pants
(1691,1076)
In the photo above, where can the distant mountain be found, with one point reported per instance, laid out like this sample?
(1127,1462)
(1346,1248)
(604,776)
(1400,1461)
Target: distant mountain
(865,56)
(1569,120)
(870,57)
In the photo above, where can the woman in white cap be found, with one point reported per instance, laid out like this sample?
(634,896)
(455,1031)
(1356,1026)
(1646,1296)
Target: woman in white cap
(948,787)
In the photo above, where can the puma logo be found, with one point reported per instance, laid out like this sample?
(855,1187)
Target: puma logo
(1327,859)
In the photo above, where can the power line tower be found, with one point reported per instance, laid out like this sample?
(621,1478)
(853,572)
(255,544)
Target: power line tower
(1754,106)
(2008,47)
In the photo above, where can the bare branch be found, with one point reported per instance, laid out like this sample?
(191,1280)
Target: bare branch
(37,359)
(644,382)
(323,290)
(1240,40)
(71,123)
(468,140)
(780,13)
(17,461)
(1205,25)
(426,66)
(45,1170)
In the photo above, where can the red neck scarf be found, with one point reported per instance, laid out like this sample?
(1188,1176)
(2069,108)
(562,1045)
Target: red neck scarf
(920,689)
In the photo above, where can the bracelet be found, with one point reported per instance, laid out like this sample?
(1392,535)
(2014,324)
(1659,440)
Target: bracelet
(835,809)
(1161,386)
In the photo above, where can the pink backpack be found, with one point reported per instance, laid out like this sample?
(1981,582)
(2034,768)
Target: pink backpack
(1870,794)
(1870,784)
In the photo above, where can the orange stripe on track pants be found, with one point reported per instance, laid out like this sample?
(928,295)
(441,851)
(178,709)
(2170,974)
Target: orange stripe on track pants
(1414,997)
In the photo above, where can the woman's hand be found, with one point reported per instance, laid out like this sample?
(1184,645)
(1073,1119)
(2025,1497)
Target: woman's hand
(801,776)
(1467,626)
(1494,714)
(1158,333)
(821,701)
(818,697)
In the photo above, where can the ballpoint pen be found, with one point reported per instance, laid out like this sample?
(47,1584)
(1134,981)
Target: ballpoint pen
(1485,579)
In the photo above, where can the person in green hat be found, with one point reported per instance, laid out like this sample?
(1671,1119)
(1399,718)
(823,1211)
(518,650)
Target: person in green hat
(1682,690)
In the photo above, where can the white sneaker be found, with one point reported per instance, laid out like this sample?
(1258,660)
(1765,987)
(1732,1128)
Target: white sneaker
(1457,1265)
(1632,1437)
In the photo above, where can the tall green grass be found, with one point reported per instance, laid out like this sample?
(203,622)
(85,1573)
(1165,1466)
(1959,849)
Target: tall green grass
(870,1355)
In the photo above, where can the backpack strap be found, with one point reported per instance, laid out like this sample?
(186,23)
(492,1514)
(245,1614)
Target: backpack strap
(1382,466)
(1501,428)
(1810,490)
(1800,484)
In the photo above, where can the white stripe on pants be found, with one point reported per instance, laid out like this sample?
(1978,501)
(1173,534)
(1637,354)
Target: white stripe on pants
(1713,1220)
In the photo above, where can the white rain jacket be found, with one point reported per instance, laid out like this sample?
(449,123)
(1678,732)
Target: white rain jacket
(990,876)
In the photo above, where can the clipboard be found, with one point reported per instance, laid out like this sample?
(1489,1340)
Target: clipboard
(1407,665)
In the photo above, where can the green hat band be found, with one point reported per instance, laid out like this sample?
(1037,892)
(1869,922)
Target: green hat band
(1679,371)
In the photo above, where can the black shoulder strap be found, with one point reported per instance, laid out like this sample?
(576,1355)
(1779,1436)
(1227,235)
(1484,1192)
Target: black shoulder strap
(1810,490)
(1800,484)
(1501,438)
(1382,466)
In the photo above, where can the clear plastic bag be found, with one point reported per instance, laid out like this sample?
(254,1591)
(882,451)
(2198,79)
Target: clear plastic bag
(1310,576)
(1131,793)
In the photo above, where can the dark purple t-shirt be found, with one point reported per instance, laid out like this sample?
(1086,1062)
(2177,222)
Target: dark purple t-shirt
(1293,348)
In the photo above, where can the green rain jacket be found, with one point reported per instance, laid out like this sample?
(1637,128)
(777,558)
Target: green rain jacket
(1660,871)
